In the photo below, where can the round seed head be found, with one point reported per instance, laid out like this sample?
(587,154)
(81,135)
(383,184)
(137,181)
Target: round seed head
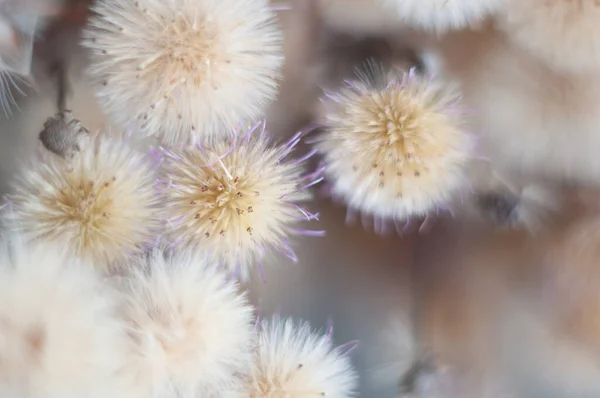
(191,329)
(185,70)
(444,15)
(392,145)
(60,336)
(101,203)
(293,361)
(235,201)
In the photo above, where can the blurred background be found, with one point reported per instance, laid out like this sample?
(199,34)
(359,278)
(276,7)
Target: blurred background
(511,313)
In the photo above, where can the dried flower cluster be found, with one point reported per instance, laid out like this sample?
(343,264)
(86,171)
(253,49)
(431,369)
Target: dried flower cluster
(174,326)
(130,250)
(121,268)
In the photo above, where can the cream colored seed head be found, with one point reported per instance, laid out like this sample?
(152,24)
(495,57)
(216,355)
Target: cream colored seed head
(101,203)
(443,15)
(185,70)
(191,328)
(293,361)
(236,200)
(393,146)
(60,336)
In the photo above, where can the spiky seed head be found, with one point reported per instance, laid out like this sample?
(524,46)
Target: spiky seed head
(191,328)
(291,360)
(443,15)
(102,203)
(565,34)
(236,200)
(392,145)
(60,336)
(185,70)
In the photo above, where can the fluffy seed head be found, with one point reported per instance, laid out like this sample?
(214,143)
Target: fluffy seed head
(102,203)
(392,146)
(443,15)
(185,70)
(563,33)
(191,329)
(234,200)
(59,333)
(293,361)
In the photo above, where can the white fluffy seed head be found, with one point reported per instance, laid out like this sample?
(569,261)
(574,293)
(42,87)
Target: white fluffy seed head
(234,201)
(293,361)
(392,144)
(443,15)
(101,203)
(191,329)
(564,34)
(185,70)
(60,336)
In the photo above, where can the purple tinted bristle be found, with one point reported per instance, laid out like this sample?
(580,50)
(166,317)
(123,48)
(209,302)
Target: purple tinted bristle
(294,138)
(257,322)
(263,130)
(317,173)
(308,216)
(288,150)
(329,328)
(331,96)
(315,182)
(304,158)
(314,140)
(307,232)
(347,348)
(289,252)
(426,224)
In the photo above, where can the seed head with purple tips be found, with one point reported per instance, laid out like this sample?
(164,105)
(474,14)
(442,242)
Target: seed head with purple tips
(236,200)
(393,146)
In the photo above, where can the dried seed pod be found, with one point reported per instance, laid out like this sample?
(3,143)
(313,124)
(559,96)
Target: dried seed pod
(64,135)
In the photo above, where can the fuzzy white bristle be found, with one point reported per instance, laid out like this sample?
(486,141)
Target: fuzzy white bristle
(102,203)
(565,34)
(60,336)
(392,145)
(236,200)
(185,70)
(443,15)
(191,329)
(293,361)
